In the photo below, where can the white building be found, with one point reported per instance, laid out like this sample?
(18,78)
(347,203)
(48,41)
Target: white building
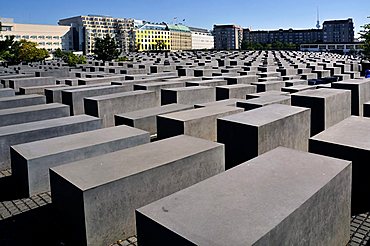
(201,39)
(50,37)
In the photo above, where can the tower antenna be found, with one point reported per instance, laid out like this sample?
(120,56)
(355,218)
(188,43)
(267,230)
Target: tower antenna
(318,19)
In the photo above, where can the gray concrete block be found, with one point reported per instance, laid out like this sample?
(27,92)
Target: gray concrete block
(146,119)
(266,93)
(360,93)
(106,106)
(6,92)
(245,79)
(234,91)
(35,81)
(295,82)
(263,101)
(211,83)
(120,182)
(19,115)
(38,89)
(252,133)
(328,106)
(188,95)
(298,88)
(30,162)
(272,199)
(227,102)
(349,140)
(269,86)
(21,101)
(157,86)
(109,79)
(75,98)
(200,122)
(38,130)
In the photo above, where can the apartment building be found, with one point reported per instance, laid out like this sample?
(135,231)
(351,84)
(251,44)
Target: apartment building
(151,37)
(49,37)
(338,31)
(201,39)
(227,37)
(180,37)
(85,29)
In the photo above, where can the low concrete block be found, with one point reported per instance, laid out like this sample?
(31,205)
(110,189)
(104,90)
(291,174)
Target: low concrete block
(252,133)
(272,199)
(146,119)
(120,182)
(211,83)
(106,106)
(263,101)
(30,162)
(35,81)
(298,88)
(6,92)
(348,140)
(13,116)
(227,102)
(199,122)
(266,93)
(188,95)
(295,82)
(75,98)
(38,130)
(245,79)
(328,106)
(38,89)
(21,101)
(269,86)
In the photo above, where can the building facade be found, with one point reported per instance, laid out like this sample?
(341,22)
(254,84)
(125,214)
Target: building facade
(284,36)
(227,37)
(180,37)
(85,29)
(201,39)
(151,37)
(344,48)
(49,37)
(338,31)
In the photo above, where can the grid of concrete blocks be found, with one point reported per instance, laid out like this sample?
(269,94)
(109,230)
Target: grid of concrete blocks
(186,148)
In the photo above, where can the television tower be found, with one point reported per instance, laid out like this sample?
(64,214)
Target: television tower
(318,19)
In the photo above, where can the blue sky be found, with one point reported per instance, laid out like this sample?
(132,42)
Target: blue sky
(199,13)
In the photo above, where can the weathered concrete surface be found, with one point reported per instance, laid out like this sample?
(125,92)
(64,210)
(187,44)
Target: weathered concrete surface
(188,95)
(272,199)
(30,162)
(6,92)
(252,133)
(328,106)
(38,89)
(349,140)
(120,182)
(234,91)
(21,101)
(146,119)
(38,130)
(35,81)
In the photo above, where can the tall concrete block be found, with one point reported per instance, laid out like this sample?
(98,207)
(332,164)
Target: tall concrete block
(234,91)
(21,101)
(252,133)
(348,140)
(272,199)
(120,182)
(75,98)
(360,93)
(188,95)
(38,130)
(146,119)
(30,162)
(12,116)
(328,106)
(199,122)
(106,106)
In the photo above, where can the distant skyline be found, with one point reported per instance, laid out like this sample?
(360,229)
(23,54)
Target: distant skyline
(259,15)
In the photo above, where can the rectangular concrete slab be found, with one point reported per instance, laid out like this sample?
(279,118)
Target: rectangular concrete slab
(263,101)
(234,91)
(146,119)
(120,182)
(188,95)
(106,106)
(30,162)
(349,140)
(12,116)
(200,122)
(38,130)
(272,199)
(7,92)
(21,101)
(254,132)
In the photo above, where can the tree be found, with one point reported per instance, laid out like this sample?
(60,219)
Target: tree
(106,48)
(365,36)
(28,52)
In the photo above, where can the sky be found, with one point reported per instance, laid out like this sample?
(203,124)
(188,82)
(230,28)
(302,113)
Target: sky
(257,14)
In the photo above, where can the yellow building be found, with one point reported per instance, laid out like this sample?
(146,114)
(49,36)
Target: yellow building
(151,37)
(180,37)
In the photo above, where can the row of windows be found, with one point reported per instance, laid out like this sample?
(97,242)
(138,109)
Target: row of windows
(48,43)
